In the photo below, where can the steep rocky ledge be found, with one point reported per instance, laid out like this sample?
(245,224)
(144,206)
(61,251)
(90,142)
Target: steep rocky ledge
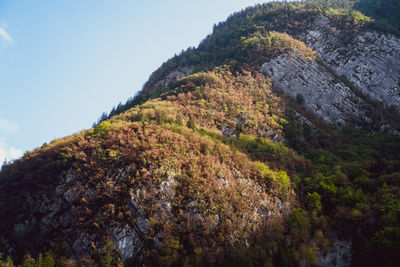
(323,94)
(368,59)
(174,76)
(217,167)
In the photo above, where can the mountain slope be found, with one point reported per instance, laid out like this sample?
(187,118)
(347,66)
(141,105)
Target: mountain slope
(299,20)
(148,182)
(275,142)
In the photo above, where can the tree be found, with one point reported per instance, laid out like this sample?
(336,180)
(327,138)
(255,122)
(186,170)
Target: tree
(300,98)
(191,123)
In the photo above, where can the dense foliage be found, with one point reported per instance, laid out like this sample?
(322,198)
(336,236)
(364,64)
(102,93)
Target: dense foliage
(348,190)
(225,45)
(385,11)
(160,143)
(216,168)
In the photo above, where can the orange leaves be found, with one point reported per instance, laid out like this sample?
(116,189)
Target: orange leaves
(146,167)
(219,104)
(214,99)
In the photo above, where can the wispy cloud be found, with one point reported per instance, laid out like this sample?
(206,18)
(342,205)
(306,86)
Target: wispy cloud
(8,126)
(5,36)
(8,152)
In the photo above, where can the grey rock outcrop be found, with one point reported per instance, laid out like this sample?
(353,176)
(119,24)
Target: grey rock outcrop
(323,94)
(339,254)
(174,76)
(368,59)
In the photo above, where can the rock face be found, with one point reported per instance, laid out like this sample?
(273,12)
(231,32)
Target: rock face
(349,61)
(338,254)
(323,94)
(368,59)
(194,173)
(173,76)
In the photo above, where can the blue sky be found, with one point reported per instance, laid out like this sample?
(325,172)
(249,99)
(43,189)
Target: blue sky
(63,63)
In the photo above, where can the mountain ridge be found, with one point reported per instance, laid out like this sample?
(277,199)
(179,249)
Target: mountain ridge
(280,17)
(265,152)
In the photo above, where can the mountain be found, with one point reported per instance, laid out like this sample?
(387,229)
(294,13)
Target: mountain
(274,142)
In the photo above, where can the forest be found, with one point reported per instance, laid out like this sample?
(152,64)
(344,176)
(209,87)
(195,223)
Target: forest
(229,142)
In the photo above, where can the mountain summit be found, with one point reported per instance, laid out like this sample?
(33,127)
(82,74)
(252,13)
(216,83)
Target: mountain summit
(274,142)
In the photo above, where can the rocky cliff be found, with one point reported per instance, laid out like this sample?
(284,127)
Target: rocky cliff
(275,142)
(368,59)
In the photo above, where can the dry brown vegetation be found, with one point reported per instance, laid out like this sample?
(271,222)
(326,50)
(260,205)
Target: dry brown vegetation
(197,192)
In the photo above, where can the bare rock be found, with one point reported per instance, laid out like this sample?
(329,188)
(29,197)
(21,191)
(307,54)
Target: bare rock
(339,254)
(368,59)
(323,94)
(174,76)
